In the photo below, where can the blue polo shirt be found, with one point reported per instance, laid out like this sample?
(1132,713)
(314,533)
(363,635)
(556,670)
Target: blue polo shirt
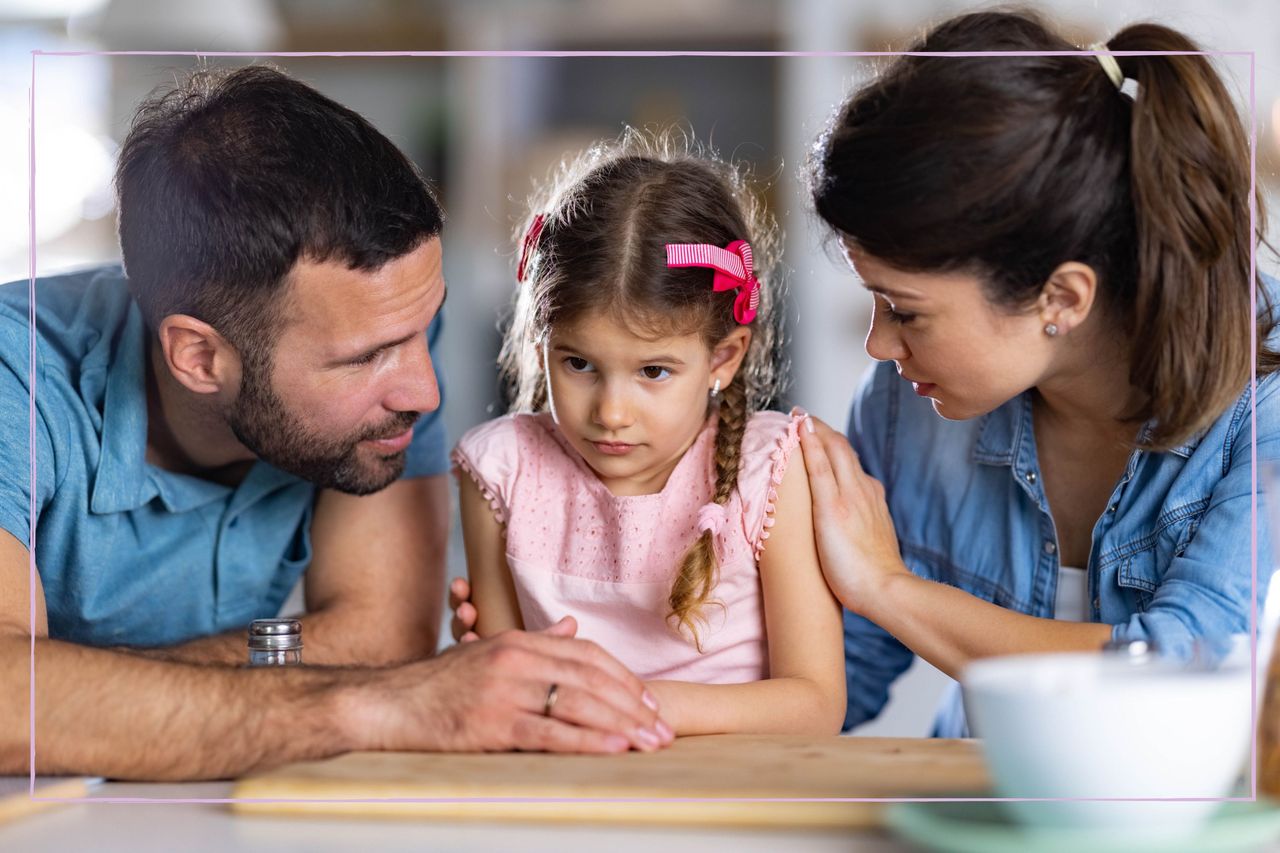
(128,553)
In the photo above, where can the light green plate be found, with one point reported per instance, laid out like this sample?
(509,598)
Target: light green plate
(987,828)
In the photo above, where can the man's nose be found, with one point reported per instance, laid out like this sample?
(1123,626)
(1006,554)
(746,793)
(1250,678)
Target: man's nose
(415,388)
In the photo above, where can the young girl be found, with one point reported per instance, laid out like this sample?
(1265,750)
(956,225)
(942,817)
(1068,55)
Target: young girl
(635,486)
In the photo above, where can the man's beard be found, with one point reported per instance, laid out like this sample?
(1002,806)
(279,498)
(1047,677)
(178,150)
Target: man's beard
(262,423)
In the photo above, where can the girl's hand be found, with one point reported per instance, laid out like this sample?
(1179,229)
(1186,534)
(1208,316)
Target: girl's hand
(852,526)
(463,625)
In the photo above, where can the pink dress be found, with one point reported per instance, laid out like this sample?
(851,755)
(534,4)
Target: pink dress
(575,548)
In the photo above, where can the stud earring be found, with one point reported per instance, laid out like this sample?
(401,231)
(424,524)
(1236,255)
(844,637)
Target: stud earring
(1051,329)
(715,389)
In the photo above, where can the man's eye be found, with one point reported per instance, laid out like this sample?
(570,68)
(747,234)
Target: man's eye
(653,371)
(367,358)
(577,365)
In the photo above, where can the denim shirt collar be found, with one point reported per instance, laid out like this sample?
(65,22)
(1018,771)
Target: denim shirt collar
(124,480)
(1003,430)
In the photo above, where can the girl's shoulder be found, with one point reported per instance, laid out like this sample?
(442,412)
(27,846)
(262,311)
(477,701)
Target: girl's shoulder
(499,454)
(511,432)
(768,447)
(769,435)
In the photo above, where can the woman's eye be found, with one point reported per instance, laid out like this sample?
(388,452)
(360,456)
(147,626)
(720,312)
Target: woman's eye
(653,371)
(897,317)
(577,365)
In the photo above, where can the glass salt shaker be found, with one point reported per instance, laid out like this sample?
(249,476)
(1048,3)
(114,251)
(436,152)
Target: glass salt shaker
(275,642)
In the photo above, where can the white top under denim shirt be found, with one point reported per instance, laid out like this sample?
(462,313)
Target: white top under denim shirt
(1171,556)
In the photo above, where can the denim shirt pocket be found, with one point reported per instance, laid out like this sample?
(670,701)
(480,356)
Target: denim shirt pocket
(1148,558)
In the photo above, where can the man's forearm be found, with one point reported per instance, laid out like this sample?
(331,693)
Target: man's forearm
(124,716)
(331,637)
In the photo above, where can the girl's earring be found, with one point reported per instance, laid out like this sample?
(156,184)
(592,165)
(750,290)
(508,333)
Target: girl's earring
(1051,329)
(715,389)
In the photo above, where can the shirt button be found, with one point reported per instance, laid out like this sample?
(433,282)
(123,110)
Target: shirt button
(1050,548)
(1031,476)
(1097,605)
(1111,508)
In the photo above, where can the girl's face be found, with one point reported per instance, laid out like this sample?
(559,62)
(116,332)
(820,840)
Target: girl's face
(630,405)
(956,347)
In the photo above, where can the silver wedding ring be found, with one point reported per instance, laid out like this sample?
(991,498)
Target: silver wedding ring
(552,692)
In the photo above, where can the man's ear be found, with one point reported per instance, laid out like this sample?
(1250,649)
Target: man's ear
(198,357)
(727,355)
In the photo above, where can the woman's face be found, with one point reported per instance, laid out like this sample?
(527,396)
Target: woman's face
(957,348)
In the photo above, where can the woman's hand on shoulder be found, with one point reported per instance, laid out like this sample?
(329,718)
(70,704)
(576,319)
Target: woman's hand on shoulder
(857,543)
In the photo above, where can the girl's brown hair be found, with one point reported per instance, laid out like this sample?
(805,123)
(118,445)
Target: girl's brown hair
(607,216)
(1007,167)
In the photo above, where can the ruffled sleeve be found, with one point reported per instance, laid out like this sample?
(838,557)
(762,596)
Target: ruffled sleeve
(490,454)
(767,448)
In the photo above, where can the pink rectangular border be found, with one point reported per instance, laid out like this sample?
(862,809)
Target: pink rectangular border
(1253,381)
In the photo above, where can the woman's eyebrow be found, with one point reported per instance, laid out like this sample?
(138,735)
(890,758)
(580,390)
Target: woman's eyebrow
(890,292)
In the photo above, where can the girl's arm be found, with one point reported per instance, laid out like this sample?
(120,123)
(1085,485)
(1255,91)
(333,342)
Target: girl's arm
(946,626)
(492,591)
(805,693)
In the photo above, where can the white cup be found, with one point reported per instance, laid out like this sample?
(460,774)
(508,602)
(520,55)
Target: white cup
(1083,726)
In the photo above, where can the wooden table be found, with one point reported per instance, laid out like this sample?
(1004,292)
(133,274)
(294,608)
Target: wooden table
(717,780)
(715,767)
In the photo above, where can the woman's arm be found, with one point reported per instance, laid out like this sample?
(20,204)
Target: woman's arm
(805,692)
(492,591)
(859,551)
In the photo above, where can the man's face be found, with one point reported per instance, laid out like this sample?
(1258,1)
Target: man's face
(335,399)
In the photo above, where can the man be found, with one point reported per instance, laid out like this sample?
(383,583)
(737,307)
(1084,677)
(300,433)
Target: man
(242,406)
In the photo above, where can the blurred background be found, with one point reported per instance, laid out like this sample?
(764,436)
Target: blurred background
(482,128)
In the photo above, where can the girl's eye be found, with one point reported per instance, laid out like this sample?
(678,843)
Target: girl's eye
(653,371)
(577,365)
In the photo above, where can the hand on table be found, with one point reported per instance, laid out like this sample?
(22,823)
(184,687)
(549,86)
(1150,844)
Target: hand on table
(854,532)
(496,694)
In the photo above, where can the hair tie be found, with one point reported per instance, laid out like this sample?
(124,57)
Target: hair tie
(1108,63)
(732,266)
(712,518)
(528,244)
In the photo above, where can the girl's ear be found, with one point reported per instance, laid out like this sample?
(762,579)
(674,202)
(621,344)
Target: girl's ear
(727,355)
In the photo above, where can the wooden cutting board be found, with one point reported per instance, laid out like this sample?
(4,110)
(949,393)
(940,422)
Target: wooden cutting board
(722,767)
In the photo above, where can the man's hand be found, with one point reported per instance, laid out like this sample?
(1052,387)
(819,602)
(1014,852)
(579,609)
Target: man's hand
(463,624)
(496,694)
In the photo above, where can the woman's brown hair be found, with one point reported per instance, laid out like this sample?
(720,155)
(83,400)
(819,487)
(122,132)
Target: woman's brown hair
(1006,167)
(606,217)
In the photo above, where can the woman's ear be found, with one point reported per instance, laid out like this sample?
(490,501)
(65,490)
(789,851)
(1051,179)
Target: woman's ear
(197,356)
(727,355)
(1068,296)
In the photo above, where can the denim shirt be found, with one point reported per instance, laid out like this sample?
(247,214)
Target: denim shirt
(1171,556)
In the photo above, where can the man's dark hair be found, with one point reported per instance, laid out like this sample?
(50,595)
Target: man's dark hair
(229,178)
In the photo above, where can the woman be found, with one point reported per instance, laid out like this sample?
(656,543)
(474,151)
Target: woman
(1062,273)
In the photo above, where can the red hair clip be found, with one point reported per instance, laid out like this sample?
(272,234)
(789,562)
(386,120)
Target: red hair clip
(528,244)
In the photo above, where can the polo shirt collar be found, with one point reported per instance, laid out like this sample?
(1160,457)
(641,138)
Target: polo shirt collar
(124,481)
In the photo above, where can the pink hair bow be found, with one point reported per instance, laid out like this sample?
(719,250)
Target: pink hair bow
(732,266)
